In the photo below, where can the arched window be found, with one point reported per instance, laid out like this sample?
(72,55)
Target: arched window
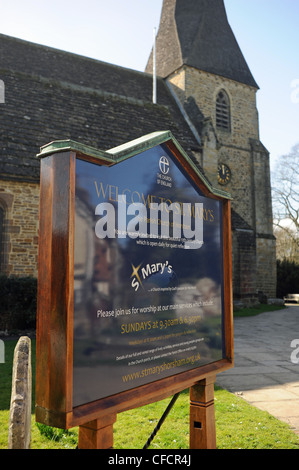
(222,111)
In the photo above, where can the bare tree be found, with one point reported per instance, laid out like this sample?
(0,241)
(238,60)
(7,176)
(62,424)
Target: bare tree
(286,247)
(285,188)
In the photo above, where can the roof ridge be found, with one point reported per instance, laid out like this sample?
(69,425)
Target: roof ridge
(81,88)
(63,51)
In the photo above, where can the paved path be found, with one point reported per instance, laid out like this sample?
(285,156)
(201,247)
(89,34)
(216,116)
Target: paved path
(264,374)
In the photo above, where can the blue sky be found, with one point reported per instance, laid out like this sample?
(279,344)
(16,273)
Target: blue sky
(121,32)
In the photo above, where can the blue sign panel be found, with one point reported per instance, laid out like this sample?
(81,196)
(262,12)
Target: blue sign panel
(148,275)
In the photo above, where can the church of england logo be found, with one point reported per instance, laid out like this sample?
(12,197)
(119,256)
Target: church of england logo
(163,178)
(164,165)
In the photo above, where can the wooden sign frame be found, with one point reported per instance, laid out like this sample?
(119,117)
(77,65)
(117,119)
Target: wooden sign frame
(54,353)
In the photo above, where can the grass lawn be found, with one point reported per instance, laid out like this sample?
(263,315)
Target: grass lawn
(238,424)
(252,311)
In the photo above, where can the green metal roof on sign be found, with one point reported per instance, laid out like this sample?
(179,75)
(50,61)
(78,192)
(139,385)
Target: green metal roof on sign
(127,150)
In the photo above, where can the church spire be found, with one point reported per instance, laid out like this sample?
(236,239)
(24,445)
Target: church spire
(197,33)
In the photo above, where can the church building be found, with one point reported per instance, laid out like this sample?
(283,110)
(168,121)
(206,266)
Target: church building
(206,96)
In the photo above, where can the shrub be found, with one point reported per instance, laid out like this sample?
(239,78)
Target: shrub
(287,278)
(18,302)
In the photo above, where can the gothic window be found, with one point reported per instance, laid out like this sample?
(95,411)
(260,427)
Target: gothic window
(222,111)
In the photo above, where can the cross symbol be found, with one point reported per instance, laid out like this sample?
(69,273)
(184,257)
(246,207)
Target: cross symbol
(164,165)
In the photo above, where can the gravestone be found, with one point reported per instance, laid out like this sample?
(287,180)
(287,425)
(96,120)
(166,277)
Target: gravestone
(2,352)
(2,92)
(19,431)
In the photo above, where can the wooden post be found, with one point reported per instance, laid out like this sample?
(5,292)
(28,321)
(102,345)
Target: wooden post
(97,434)
(202,415)
(19,431)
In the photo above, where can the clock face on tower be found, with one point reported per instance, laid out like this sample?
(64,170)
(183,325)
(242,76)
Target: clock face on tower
(224,174)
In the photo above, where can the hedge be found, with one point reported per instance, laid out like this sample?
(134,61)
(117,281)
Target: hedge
(17,302)
(287,278)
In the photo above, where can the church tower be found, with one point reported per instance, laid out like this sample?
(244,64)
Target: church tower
(201,62)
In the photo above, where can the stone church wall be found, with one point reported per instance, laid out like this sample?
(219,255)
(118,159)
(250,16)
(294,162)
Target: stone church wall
(20,202)
(254,257)
(244,271)
(233,147)
(204,87)
(266,265)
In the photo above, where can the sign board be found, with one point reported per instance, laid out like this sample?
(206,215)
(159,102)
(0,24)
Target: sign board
(134,299)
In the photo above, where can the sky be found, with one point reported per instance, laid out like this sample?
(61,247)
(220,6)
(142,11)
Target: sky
(121,32)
